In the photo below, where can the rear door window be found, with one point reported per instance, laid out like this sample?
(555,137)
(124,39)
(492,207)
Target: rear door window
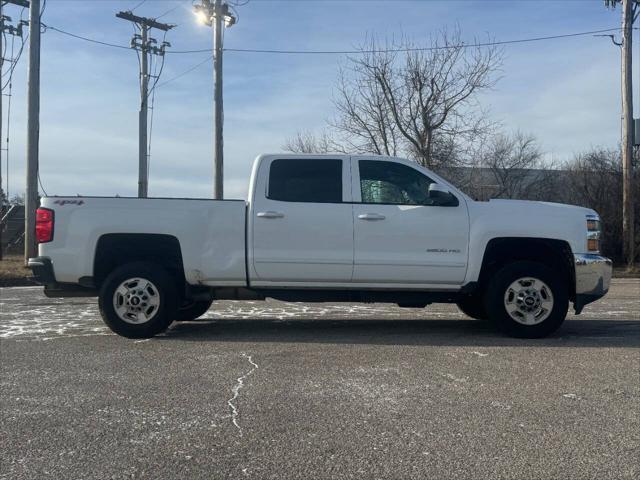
(302,180)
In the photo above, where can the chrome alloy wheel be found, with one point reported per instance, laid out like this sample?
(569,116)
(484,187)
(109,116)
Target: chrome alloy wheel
(136,300)
(528,301)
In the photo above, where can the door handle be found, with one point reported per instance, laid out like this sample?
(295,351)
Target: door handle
(270,214)
(371,216)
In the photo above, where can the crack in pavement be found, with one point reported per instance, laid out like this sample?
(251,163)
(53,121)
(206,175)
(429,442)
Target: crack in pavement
(236,391)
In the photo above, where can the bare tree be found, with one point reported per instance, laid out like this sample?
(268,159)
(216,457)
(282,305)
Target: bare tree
(515,162)
(419,102)
(402,96)
(307,142)
(364,123)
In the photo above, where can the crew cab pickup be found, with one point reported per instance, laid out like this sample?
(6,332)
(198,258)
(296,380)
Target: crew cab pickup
(324,228)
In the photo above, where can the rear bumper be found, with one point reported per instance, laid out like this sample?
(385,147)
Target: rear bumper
(43,273)
(42,269)
(593,278)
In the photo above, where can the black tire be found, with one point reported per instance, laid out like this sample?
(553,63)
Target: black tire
(496,300)
(164,296)
(473,306)
(192,310)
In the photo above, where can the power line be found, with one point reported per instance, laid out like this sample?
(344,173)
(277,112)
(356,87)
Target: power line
(13,61)
(14,31)
(168,11)
(401,50)
(9,97)
(189,70)
(7,150)
(157,73)
(415,49)
(80,37)
(199,64)
(350,52)
(153,109)
(138,5)
(4,45)
(40,183)
(202,50)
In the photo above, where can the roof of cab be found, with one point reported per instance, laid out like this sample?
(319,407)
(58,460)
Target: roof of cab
(324,156)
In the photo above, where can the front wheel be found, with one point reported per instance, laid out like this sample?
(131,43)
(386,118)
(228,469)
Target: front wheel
(527,300)
(138,300)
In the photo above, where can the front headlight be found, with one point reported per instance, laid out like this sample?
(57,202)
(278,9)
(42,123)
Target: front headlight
(593,234)
(593,224)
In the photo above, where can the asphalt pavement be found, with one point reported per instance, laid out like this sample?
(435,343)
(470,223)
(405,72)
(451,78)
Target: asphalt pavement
(272,390)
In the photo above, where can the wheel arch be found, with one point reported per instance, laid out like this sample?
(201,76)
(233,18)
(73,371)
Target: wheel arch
(116,249)
(553,253)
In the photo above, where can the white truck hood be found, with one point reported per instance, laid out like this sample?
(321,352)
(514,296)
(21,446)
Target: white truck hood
(534,206)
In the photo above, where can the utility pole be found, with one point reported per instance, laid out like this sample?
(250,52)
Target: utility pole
(6,27)
(146,46)
(217,15)
(218,108)
(627,132)
(630,11)
(33,132)
(143,141)
(1,113)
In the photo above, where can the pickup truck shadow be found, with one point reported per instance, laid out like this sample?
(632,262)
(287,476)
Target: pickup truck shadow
(574,332)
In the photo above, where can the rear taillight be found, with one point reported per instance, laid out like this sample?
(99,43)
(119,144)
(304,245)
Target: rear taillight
(44,225)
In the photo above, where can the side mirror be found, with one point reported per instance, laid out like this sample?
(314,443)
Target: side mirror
(441,196)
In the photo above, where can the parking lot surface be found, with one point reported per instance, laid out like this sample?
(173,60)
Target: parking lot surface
(274,390)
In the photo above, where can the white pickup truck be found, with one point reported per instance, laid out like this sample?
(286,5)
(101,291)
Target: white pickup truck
(324,228)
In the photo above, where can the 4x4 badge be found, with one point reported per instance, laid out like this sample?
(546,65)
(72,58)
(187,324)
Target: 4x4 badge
(62,203)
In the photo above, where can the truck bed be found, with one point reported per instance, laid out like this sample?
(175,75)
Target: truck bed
(211,234)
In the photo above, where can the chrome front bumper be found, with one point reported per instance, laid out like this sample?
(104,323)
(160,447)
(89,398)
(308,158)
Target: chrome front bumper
(593,277)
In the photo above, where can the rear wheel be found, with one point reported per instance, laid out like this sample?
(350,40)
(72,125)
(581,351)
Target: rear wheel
(192,310)
(473,306)
(138,300)
(527,300)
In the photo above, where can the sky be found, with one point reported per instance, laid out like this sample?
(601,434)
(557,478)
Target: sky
(566,92)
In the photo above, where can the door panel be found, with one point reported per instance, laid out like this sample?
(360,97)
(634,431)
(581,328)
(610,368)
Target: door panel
(401,242)
(304,241)
(412,244)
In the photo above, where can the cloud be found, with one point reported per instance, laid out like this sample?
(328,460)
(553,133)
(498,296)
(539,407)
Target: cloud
(568,97)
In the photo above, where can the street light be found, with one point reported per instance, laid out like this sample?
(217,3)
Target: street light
(206,12)
(202,14)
